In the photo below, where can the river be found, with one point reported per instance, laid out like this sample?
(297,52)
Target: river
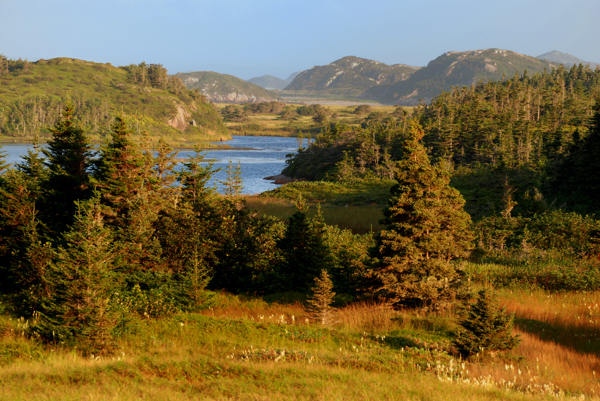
(265,157)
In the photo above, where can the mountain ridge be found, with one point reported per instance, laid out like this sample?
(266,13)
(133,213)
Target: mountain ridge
(455,68)
(349,76)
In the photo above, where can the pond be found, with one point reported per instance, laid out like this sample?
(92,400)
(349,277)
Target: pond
(259,157)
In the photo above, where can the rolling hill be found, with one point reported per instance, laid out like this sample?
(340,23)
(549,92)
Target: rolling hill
(349,76)
(455,69)
(223,88)
(32,95)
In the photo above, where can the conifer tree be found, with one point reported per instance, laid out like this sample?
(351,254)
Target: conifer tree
(305,250)
(234,184)
(426,228)
(125,179)
(320,303)
(577,180)
(33,166)
(485,327)
(82,282)
(68,160)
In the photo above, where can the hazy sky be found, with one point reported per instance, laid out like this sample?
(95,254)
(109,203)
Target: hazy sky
(277,37)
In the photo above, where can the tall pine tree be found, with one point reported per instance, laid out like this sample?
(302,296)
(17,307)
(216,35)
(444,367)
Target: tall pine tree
(426,228)
(68,160)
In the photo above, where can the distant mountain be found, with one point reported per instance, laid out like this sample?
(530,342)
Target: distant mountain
(273,83)
(268,82)
(33,94)
(568,60)
(455,69)
(223,88)
(349,76)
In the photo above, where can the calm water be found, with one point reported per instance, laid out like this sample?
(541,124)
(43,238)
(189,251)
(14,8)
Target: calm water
(266,159)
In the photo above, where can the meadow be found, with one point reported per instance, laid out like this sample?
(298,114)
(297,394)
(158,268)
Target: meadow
(245,348)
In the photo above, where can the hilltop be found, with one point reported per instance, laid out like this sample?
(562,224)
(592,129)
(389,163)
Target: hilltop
(349,76)
(223,88)
(32,95)
(273,83)
(568,60)
(455,69)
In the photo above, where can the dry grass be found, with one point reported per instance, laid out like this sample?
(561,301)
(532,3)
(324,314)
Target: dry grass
(560,342)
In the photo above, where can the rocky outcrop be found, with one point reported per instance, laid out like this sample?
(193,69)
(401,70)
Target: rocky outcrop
(180,120)
(234,97)
(280,179)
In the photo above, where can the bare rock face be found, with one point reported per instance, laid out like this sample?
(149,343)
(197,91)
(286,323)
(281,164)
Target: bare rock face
(234,97)
(180,120)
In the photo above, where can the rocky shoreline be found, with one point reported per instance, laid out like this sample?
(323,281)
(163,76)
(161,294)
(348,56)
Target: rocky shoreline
(280,179)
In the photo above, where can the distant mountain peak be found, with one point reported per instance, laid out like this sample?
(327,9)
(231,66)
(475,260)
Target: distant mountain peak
(554,56)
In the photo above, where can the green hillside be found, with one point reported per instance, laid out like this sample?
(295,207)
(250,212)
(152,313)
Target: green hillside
(32,95)
(453,69)
(223,88)
(349,76)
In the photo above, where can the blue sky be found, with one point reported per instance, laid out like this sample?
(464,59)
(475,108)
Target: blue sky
(277,37)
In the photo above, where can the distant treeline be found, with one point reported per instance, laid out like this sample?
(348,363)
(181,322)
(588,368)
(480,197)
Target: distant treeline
(528,133)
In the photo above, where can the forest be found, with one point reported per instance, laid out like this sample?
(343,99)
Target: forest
(492,189)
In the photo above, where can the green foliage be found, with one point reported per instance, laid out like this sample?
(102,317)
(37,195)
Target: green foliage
(564,233)
(576,179)
(321,300)
(485,328)
(426,228)
(68,156)
(304,250)
(33,98)
(82,281)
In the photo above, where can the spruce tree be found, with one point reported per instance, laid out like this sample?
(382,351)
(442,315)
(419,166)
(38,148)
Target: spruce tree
(426,228)
(68,160)
(320,303)
(485,327)
(82,282)
(125,179)
(304,249)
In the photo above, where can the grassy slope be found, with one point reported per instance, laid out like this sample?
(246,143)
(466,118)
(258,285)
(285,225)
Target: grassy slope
(99,91)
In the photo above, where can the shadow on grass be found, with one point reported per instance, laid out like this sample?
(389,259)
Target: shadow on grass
(578,338)
(400,342)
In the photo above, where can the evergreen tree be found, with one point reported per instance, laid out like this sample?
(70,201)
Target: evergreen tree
(234,184)
(68,160)
(304,249)
(33,166)
(82,282)
(426,228)
(577,180)
(320,303)
(125,179)
(485,328)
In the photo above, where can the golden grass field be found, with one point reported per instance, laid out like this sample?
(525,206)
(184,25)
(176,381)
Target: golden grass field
(250,350)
